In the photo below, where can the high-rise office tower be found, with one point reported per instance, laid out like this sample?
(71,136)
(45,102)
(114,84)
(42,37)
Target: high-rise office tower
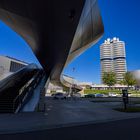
(113,57)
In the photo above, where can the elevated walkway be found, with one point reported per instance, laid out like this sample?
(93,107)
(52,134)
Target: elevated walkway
(69,32)
(70,83)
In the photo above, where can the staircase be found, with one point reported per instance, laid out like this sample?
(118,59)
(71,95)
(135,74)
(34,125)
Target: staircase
(10,87)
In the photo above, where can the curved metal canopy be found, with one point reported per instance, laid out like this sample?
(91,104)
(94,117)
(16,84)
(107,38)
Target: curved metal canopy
(56,30)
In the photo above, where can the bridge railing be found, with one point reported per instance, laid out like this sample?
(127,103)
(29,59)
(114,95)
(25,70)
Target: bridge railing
(70,82)
(26,91)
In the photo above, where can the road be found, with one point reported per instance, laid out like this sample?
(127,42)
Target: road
(117,130)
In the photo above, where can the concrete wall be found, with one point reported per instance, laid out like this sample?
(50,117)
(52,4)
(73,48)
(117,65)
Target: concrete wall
(5,64)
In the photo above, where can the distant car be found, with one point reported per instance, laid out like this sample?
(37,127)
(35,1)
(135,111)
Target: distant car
(90,96)
(77,95)
(99,95)
(59,96)
(112,95)
(52,94)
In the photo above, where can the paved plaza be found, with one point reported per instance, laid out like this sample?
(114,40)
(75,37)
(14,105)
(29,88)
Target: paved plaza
(64,113)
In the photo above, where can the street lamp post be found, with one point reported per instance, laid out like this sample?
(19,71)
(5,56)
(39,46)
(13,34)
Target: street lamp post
(72,84)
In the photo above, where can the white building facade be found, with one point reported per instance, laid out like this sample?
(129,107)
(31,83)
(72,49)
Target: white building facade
(136,76)
(9,65)
(113,57)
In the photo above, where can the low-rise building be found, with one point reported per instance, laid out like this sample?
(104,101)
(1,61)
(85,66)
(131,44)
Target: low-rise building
(9,65)
(53,88)
(106,87)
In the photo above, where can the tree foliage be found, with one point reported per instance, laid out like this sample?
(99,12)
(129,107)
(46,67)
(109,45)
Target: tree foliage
(129,80)
(122,82)
(88,86)
(109,78)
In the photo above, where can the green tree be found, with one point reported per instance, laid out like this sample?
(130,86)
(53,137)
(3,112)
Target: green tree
(129,80)
(109,78)
(88,86)
(122,82)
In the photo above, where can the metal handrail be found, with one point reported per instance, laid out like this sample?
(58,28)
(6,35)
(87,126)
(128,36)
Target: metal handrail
(22,91)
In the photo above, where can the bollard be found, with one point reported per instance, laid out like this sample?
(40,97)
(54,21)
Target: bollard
(125,97)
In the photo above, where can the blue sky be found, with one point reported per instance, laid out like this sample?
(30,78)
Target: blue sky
(11,44)
(121,19)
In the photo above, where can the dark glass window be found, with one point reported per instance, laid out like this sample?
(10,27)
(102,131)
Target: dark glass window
(15,66)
